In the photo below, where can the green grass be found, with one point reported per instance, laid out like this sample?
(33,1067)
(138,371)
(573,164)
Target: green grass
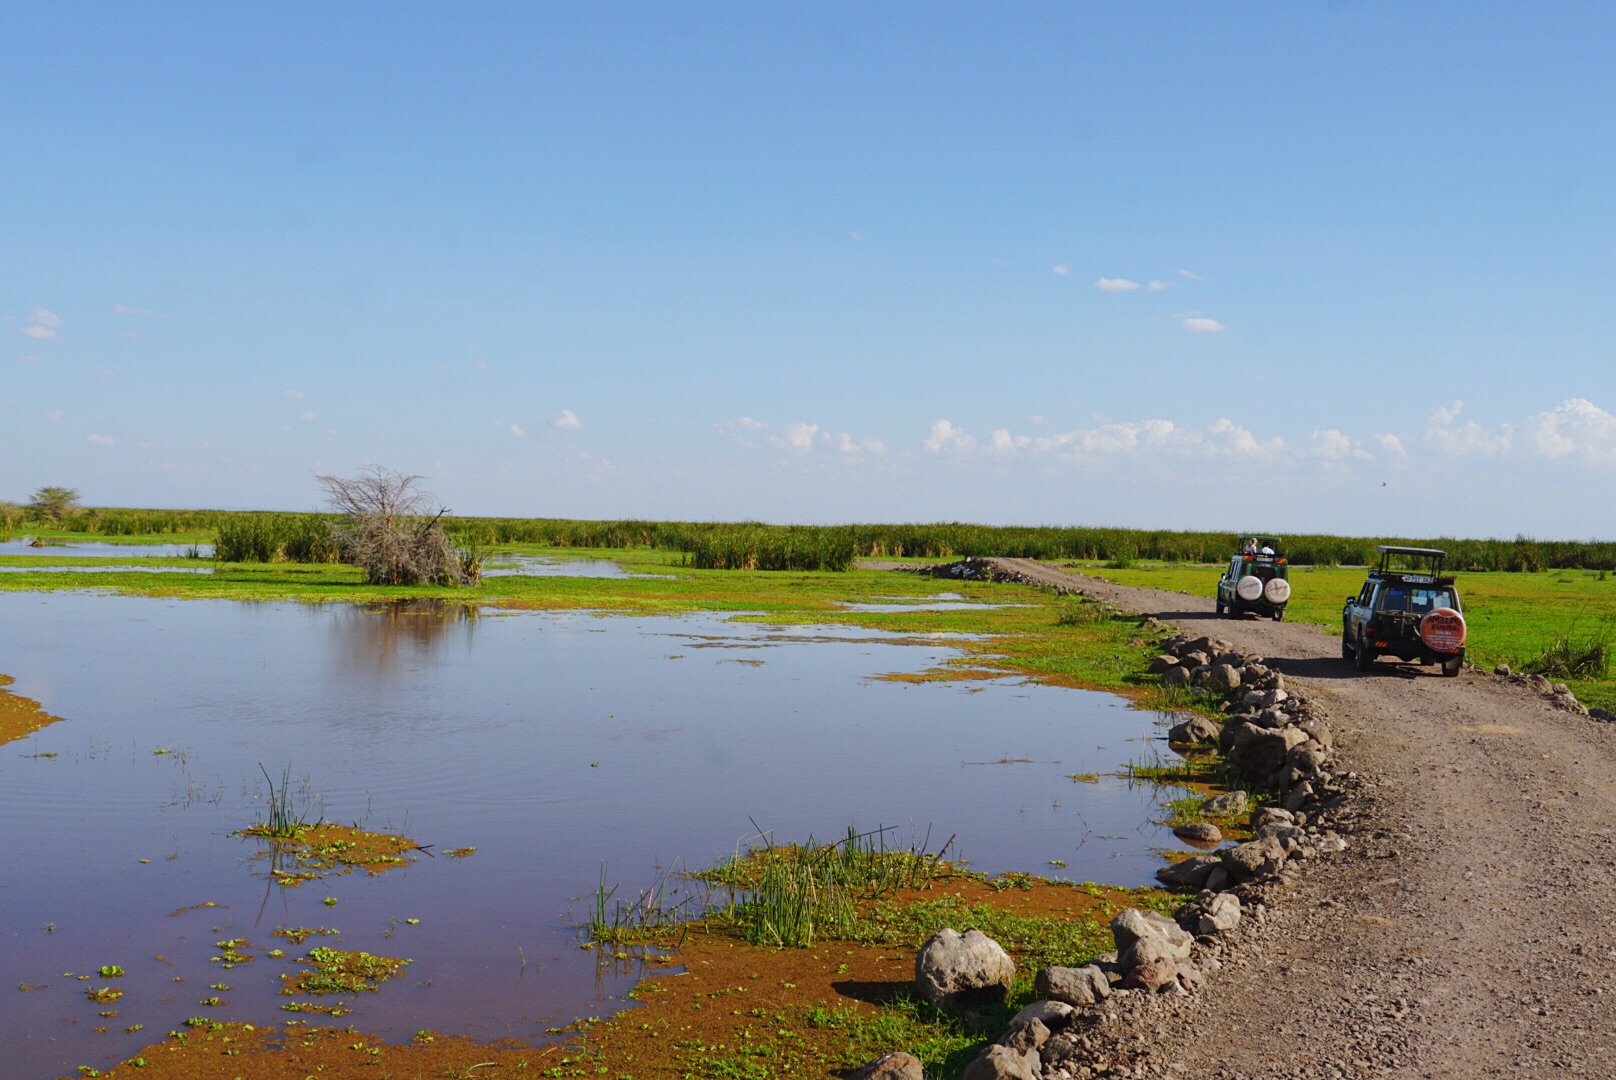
(1513,618)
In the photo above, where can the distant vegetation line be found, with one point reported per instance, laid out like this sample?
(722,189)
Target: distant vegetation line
(245,536)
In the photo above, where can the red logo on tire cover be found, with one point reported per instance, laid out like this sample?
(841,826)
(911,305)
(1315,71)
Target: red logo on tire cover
(1443,630)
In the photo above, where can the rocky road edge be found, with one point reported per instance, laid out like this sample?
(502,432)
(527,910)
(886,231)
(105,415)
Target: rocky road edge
(1091,1021)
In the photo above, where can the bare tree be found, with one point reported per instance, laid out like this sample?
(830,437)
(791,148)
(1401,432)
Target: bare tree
(389,531)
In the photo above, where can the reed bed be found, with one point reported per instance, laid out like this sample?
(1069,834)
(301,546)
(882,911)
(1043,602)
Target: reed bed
(794,895)
(759,546)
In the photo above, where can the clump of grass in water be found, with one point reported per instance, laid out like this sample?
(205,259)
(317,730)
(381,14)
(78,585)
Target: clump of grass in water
(1574,656)
(798,894)
(284,823)
(657,912)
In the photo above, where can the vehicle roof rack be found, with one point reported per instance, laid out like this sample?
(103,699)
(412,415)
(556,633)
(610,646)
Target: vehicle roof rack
(1393,549)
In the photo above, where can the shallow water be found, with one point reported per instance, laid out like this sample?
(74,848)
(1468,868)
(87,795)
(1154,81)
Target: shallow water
(553,743)
(544,566)
(108,569)
(20,546)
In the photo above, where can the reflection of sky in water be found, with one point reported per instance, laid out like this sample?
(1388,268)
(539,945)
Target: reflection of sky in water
(20,546)
(543,566)
(552,743)
(91,569)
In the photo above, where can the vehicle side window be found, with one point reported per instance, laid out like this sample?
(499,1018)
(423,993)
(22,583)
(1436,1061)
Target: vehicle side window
(1392,598)
(1367,594)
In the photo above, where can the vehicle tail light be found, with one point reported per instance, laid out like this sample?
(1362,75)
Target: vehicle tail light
(1369,627)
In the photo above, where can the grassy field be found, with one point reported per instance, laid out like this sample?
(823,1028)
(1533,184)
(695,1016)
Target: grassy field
(1513,618)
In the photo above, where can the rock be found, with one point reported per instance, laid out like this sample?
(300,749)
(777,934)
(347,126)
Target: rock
(1073,986)
(1233,659)
(1160,665)
(1192,660)
(897,1066)
(1143,937)
(1190,977)
(1199,832)
(1318,731)
(1002,1063)
(954,968)
(1221,914)
(1267,815)
(1049,1012)
(1195,730)
(1223,678)
(1271,717)
(1604,715)
(1029,1036)
(1561,689)
(1201,676)
(1333,844)
(1228,804)
(1538,683)
(1501,669)
(1245,861)
(1176,676)
(1219,878)
(1152,977)
(1261,753)
(1188,873)
(1299,796)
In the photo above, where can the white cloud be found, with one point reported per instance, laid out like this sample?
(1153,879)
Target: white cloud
(1390,447)
(1037,418)
(53,416)
(945,436)
(307,416)
(567,419)
(1189,274)
(517,432)
(100,440)
(1333,445)
(295,395)
(1062,269)
(1576,428)
(125,309)
(1444,433)
(854,448)
(749,424)
(1158,286)
(103,373)
(481,365)
(42,325)
(1196,323)
(1161,438)
(857,237)
(1116,285)
(798,436)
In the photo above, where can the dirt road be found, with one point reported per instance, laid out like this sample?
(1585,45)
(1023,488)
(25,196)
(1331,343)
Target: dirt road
(1470,930)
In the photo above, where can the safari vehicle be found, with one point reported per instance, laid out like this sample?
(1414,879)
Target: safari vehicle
(1256,580)
(1406,609)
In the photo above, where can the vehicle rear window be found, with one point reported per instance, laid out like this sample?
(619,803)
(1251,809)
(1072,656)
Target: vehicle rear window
(1423,600)
(1393,598)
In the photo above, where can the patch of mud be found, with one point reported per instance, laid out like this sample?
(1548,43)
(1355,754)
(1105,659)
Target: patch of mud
(326,850)
(20,717)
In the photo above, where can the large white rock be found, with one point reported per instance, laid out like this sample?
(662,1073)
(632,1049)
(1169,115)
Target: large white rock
(955,968)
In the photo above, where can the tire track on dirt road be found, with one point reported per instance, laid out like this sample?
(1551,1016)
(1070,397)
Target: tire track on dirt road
(1470,929)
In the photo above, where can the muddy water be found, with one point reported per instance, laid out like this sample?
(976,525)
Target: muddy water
(553,744)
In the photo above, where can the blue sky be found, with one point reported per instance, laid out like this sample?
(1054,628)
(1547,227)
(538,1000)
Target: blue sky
(1303,267)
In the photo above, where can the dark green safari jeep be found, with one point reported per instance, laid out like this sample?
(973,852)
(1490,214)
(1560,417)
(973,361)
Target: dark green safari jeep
(1406,609)
(1256,580)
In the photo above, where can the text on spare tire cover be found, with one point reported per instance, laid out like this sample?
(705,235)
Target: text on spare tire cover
(1443,629)
(1248,588)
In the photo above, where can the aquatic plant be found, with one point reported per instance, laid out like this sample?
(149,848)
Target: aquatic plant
(666,906)
(797,894)
(284,823)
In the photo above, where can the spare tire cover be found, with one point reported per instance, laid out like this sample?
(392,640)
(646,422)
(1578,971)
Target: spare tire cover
(1443,630)
(1278,590)
(1248,588)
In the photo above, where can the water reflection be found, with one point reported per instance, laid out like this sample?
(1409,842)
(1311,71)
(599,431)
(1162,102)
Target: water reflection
(377,637)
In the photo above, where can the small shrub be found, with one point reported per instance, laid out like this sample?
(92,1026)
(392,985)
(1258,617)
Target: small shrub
(1075,611)
(1574,656)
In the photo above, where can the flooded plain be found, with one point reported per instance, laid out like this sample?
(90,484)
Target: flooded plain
(560,747)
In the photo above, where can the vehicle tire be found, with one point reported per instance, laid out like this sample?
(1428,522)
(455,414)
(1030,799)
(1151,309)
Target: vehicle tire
(1222,610)
(1451,668)
(1279,614)
(1361,656)
(1346,647)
